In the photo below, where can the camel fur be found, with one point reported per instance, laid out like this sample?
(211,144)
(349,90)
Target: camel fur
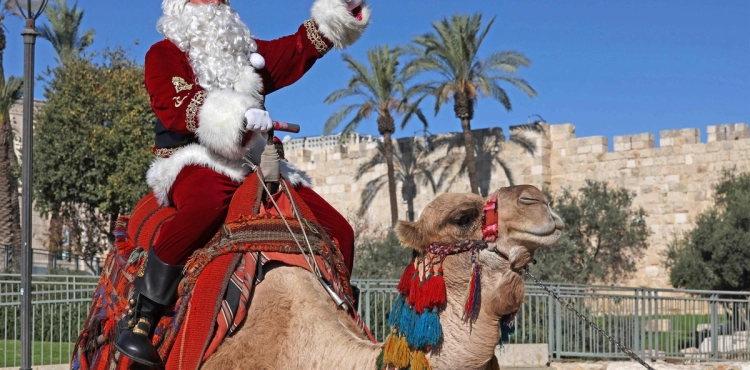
(292,322)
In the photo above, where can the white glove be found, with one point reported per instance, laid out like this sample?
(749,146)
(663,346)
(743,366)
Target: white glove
(258,120)
(352,4)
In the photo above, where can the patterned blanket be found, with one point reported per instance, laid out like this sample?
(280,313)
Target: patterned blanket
(203,315)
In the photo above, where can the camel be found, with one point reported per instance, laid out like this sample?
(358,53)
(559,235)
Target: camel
(293,323)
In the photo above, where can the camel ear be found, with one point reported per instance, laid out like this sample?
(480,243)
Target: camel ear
(409,235)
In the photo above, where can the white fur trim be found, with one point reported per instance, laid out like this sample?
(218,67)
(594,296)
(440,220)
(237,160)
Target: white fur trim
(294,175)
(249,82)
(221,121)
(337,24)
(257,61)
(164,171)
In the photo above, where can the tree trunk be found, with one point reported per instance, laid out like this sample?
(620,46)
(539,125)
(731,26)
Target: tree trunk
(10,211)
(471,164)
(391,177)
(387,127)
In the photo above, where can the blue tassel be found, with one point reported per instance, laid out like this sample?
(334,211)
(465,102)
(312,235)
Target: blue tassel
(396,309)
(428,330)
(506,329)
(407,322)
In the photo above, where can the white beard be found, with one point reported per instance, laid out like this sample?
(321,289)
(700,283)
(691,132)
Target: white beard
(217,42)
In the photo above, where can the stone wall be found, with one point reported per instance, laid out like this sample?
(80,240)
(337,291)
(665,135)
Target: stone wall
(673,182)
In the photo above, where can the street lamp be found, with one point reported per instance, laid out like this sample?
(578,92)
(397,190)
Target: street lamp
(30,10)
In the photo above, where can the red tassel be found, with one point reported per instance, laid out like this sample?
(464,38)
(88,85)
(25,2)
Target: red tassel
(471,299)
(414,289)
(432,294)
(404,284)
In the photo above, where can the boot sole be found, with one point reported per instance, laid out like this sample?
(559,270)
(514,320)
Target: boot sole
(138,360)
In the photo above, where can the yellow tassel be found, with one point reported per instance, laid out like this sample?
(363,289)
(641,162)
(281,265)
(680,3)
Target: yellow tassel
(493,364)
(389,348)
(419,361)
(401,353)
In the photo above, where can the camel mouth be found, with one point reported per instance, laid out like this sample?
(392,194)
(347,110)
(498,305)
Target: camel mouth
(553,229)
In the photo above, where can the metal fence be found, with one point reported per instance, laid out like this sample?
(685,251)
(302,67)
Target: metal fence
(60,304)
(46,262)
(655,323)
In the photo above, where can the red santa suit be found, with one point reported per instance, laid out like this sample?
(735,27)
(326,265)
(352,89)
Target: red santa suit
(202,143)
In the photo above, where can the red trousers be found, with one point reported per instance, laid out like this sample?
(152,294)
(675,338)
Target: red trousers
(202,198)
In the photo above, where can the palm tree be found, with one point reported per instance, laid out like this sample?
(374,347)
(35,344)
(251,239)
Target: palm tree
(381,88)
(411,167)
(10,213)
(489,145)
(63,30)
(452,52)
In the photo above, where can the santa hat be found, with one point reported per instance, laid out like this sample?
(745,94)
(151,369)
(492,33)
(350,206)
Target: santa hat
(175,7)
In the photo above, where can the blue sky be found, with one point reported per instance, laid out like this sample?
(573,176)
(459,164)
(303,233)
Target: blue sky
(608,67)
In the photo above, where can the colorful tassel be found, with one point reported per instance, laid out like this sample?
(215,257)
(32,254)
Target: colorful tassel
(404,285)
(428,331)
(407,322)
(506,328)
(389,347)
(432,293)
(419,361)
(394,316)
(474,288)
(401,354)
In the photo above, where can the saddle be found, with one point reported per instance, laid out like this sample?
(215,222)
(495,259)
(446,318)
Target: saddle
(255,232)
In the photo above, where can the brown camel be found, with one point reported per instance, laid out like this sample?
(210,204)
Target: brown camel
(294,324)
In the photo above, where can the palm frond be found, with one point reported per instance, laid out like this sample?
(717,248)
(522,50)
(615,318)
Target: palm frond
(10,92)
(63,30)
(336,119)
(524,142)
(371,190)
(519,83)
(506,169)
(378,158)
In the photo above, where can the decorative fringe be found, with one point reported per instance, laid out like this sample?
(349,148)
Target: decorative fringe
(474,288)
(431,293)
(414,320)
(404,285)
(428,331)
(396,351)
(506,328)
(419,361)
(407,322)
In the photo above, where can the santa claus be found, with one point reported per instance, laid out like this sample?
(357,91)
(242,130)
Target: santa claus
(207,82)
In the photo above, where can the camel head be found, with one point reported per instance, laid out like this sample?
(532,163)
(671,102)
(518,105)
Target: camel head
(467,274)
(514,222)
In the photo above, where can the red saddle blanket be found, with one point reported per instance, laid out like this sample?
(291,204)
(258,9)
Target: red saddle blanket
(216,289)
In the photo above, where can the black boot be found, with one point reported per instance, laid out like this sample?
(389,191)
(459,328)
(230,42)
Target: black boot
(155,288)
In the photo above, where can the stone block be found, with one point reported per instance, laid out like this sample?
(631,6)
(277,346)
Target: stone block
(522,355)
(679,137)
(727,132)
(631,142)
(562,132)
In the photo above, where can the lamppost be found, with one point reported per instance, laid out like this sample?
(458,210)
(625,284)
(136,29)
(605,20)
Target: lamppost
(31,10)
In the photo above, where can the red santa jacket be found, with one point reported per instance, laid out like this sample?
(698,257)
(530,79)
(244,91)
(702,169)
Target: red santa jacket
(207,127)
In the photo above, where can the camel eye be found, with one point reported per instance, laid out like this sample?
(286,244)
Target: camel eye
(464,220)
